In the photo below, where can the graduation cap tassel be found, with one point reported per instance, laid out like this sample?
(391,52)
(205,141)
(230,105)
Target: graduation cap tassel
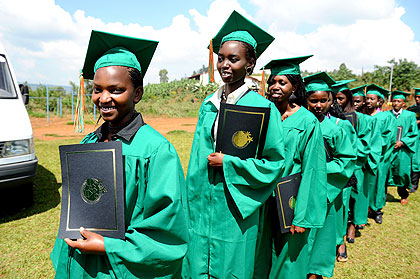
(262,91)
(211,63)
(79,121)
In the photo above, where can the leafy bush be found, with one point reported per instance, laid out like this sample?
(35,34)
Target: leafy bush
(179,98)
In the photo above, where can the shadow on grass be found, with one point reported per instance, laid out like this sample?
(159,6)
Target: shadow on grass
(391,198)
(46,196)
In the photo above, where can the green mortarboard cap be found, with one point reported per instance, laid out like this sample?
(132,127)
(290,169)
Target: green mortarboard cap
(342,85)
(238,28)
(359,91)
(287,66)
(416,91)
(377,90)
(397,94)
(318,82)
(107,49)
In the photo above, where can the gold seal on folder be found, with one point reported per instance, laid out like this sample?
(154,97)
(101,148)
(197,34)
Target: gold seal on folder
(241,139)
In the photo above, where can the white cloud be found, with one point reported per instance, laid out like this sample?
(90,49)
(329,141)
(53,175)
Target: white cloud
(371,34)
(48,44)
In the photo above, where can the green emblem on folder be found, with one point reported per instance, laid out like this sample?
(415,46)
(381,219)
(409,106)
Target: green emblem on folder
(292,202)
(92,190)
(241,139)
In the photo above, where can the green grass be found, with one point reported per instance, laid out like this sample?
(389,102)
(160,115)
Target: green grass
(389,250)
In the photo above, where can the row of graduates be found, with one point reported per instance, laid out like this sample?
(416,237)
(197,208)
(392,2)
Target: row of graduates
(221,221)
(393,146)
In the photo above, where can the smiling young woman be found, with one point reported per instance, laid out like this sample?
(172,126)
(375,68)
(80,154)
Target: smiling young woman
(225,194)
(304,153)
(155,235)
(322,241)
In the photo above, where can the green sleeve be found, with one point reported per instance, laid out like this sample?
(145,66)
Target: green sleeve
(410,138)
(363,139)
(341,168)
(389,135)
(250,182)
(310,211)
(156,237)
(375,145)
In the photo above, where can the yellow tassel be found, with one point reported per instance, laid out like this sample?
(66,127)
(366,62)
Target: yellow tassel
(262,90)
(211,63)
(79,119)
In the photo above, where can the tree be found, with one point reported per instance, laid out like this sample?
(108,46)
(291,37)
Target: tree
(342,73)
(74,87)
(163,76)
(405,74)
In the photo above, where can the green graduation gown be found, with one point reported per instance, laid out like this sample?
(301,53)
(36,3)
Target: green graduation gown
(322,242)
(415,161)
(305,153)
(385,124)
(156,228)
(360,197)
(401,158)
(225,205)
(343,210)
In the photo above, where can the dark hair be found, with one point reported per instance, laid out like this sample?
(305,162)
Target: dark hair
(135,77)
(249,53)
(349,107)
(299,96)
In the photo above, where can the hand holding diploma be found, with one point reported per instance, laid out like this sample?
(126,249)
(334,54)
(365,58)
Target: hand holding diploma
(216,159)
(92,243)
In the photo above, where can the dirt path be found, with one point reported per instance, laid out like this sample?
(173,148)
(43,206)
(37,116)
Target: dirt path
(62,127)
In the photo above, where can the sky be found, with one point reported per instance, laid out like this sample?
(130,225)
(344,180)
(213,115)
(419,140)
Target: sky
(47,39)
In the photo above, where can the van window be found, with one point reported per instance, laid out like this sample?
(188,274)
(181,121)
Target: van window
(7,90)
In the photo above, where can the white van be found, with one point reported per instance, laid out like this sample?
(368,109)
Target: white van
(18,163)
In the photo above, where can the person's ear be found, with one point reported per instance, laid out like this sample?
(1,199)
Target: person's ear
(250,64)
(138,94)
(294,88)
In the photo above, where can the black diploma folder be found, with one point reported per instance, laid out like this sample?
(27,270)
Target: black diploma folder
(328,151)
(242,130)
(93,190)
(286,193)
(399,133)
(416,110)
(352,117)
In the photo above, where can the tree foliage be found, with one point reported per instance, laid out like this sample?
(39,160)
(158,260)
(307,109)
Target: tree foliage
(342,73)
(163,76)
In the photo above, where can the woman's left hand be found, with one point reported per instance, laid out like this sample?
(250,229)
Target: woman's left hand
(398,144)
(92,244)
(295,229)
(216,159)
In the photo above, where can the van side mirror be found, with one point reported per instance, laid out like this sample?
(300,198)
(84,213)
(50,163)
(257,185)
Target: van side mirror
(24,90)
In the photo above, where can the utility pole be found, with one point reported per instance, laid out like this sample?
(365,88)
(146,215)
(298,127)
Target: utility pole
(390,84)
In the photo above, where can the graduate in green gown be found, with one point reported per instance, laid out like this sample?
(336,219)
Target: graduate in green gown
(369,175)
(359,98)
(305,154)
(355,205)
(405,146)
(335,113)
(415,162)
(360,197)
(225,194)
(156,227)
(322,242)
(384,124)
